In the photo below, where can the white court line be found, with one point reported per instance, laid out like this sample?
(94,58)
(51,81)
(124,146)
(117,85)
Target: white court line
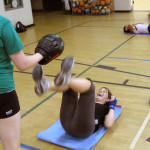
(140,131)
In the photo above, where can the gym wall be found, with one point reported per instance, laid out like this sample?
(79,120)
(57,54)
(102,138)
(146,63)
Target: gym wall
(23,14)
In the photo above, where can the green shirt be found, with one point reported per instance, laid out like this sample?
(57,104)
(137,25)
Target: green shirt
(10,43)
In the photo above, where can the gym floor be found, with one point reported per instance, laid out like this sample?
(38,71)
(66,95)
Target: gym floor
(103,53)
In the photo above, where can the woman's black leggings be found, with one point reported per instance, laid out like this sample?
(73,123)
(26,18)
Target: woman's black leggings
(77,115)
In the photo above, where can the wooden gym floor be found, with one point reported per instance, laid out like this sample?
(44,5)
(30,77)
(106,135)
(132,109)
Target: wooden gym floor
(143,5)
(109,57)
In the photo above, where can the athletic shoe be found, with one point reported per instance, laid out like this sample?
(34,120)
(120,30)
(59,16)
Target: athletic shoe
(63,78)
(41,83)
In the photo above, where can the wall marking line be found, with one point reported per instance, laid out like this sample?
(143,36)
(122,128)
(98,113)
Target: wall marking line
(140,132)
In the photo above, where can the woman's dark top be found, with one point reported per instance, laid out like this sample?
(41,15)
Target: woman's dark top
(100,112)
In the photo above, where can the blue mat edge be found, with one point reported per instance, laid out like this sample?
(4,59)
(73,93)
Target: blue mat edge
(138,33)
(103,130)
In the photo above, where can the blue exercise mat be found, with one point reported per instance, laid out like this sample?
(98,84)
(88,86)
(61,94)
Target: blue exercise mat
(57,135)
(138,33)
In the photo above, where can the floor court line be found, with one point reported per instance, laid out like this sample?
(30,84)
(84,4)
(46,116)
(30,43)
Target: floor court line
(128,58)
(99,66)
(30,110)
(140,132)
(122,84)
(106,55)
(59,32)
(28,147)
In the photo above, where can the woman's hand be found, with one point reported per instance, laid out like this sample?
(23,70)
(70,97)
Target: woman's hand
(112,103)
(109,100)
(112,98)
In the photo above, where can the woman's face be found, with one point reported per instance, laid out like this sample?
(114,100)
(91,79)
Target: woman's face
(102,95)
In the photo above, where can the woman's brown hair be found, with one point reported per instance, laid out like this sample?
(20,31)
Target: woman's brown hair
(109,93)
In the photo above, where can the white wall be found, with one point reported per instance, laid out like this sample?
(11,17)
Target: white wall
(23,14)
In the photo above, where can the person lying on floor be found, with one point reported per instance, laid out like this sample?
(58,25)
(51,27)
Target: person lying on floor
(82,111)
(137,28)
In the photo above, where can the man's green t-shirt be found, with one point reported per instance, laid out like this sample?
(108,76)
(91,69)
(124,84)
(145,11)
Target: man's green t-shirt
(10,43)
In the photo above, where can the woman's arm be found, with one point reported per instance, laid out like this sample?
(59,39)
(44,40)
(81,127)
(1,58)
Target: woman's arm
(109,119)
(23,62)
